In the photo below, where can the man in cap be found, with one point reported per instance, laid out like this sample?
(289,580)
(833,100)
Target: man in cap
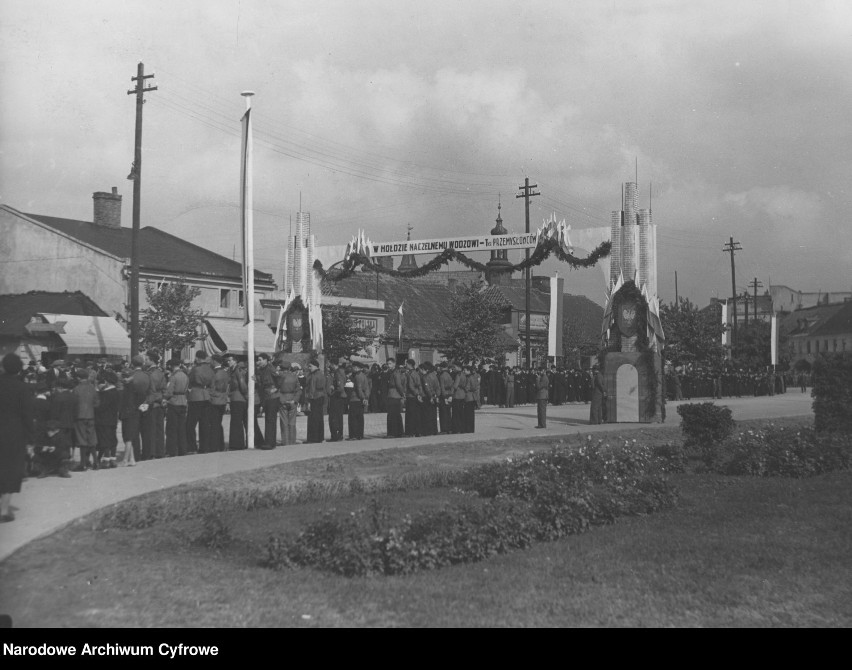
(153,420)
(315,394)
(289,395)
(238,400)
(359,398)
(542,393)
(176,408)
(267,385)
(200,379)
(336,400)
(413,400)
(394,398)
(218,402)
(599,395)
(135,394)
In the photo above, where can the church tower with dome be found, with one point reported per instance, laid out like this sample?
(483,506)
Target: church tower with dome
(499,258)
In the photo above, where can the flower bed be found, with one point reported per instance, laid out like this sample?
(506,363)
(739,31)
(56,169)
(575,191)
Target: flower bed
(539,497)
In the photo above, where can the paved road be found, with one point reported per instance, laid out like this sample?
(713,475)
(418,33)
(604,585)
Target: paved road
(46,505)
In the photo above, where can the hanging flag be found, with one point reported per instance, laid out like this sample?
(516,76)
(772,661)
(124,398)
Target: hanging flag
(400,322)
(554,324)
(246,208)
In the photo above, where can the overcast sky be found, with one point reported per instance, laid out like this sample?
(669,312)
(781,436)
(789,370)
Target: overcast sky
(385,114)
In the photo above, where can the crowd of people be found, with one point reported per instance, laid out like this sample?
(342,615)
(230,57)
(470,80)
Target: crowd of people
(178,409)
(687,382)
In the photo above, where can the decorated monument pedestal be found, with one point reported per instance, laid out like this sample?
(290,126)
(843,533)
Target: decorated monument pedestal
(631,364)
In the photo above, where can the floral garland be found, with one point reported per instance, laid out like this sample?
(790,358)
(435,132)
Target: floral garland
(542,252)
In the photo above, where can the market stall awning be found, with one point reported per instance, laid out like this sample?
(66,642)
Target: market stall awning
(230,335)
(90,334)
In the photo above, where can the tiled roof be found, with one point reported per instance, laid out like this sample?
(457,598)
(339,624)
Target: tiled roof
(515,297)
(840,323)
(586,314)
(17,309)
(810,320)
(426,310)
(158,250)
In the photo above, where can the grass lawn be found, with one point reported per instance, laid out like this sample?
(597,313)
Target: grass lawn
(735,552)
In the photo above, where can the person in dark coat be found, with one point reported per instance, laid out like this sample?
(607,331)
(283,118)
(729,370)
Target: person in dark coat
(16,432)
(315,394)
(596,410)
(542,396)
(106,419)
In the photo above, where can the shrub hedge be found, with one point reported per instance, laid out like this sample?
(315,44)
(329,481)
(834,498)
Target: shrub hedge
(832,393)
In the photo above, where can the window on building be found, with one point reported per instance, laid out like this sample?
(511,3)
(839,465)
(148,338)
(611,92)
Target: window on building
(825,345)
(242,299)
(224,298)
(834,345)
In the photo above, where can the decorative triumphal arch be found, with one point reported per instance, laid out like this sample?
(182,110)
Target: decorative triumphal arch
(631,338)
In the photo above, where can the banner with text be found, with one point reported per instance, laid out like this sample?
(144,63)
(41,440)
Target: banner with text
(478,243)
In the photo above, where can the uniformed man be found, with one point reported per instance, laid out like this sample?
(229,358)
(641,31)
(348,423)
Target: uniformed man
(153,420)
(459,397)
(315,394)
(394,398)
(267,384)
(238,400)
(431,398)
(289,395)
(218,403)
(542,390)
(200,379)
(413,400)
(359,399)
(176,407)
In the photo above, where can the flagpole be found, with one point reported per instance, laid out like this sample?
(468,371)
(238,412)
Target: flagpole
(248,188)
(400,327)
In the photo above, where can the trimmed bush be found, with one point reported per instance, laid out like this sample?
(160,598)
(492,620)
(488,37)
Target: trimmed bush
(705,426)
(832,393)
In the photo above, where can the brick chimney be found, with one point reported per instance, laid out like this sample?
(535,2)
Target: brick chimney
(108,208)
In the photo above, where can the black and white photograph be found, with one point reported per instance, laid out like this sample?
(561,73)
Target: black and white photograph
(396,314)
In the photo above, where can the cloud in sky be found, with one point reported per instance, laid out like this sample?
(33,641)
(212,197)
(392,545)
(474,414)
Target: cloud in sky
(379,114)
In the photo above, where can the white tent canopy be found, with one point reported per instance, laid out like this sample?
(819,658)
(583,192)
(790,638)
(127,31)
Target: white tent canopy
(91,334)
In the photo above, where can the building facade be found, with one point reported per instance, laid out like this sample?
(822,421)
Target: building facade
(54,254)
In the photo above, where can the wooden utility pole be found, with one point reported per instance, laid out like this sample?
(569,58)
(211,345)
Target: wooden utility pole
(526,195)
(731,247)
(136,176)
(755,284)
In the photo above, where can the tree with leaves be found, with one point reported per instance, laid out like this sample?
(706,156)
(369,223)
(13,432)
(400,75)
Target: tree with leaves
(693,335)
(342,336)
(170,323)
(474,332)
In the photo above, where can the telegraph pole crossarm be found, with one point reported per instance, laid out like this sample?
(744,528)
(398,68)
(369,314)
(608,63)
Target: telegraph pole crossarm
(136,176)
(526,195)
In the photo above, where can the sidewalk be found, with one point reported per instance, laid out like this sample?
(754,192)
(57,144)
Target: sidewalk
(46,505)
